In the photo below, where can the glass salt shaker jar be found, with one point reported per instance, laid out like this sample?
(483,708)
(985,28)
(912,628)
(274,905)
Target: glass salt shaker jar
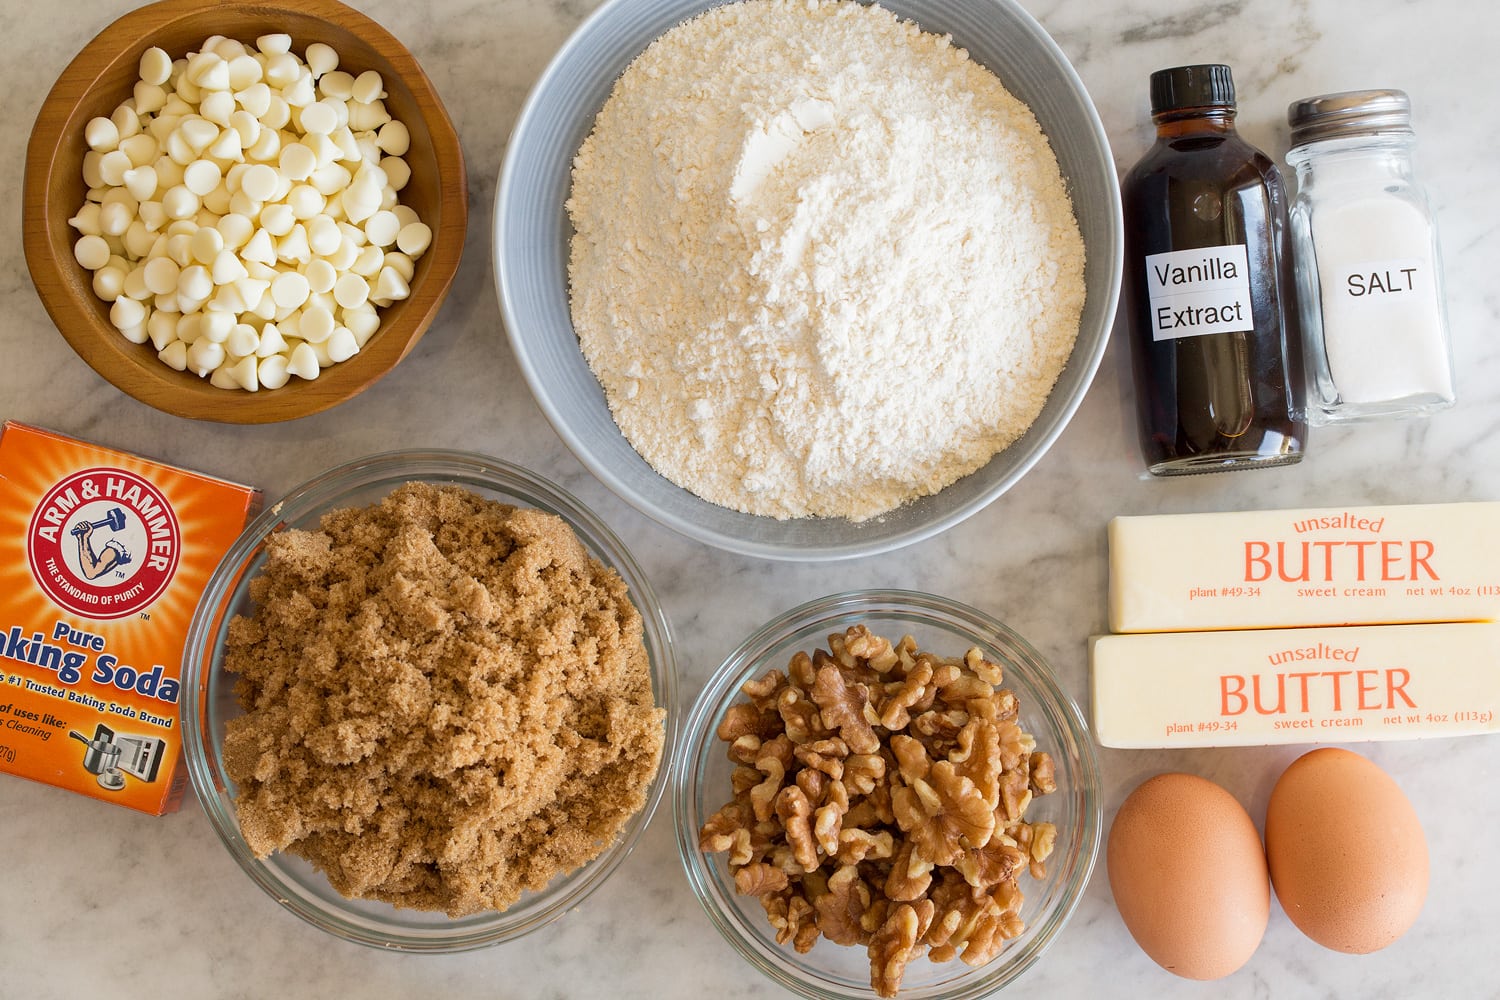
(1369,275)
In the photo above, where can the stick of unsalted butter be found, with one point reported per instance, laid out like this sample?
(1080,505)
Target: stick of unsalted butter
(1314,685)
(1278,568)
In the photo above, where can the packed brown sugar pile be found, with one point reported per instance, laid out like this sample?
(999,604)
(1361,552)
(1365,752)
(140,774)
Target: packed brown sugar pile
(448,701)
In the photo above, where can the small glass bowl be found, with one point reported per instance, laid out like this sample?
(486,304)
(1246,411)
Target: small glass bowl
(209,701)
(702,785)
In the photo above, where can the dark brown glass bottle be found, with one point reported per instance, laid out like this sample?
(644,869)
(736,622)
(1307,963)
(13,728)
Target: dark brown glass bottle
(1215,338)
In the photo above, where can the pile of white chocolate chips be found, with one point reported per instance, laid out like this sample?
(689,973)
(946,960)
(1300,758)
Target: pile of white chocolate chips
(243,212)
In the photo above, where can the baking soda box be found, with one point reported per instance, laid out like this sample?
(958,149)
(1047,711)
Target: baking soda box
(103,556)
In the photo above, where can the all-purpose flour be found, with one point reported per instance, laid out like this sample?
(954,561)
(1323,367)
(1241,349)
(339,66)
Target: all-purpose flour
(823,262)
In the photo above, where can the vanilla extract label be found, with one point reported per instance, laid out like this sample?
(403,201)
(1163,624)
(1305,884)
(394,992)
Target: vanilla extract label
(1200,291)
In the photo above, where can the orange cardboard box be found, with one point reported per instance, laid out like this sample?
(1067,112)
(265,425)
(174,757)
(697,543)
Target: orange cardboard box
(103,556)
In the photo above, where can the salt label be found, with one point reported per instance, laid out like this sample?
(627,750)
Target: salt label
(1377,284)
(1199,291)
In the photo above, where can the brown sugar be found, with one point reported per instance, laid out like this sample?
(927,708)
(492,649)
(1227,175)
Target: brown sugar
(447,701)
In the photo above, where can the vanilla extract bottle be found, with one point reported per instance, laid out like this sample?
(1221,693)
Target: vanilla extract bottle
(1215,339)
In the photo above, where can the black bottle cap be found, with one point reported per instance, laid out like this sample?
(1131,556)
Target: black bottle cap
(1191,87)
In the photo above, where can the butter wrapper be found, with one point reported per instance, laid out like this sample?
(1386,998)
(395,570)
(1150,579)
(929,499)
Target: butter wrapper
(1312,685)
(1280,568)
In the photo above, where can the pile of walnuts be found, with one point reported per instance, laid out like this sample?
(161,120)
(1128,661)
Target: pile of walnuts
(879,795)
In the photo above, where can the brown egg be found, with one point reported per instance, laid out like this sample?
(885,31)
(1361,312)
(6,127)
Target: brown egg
(1189,876)
(1347,854)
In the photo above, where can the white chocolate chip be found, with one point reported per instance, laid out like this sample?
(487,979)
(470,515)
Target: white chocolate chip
(282,69)
(321,58)
(216,326)
(91,252)
(274,44)
(202,176)
(180,203)
(394,138)
(228,268)
(217,107)
(293,247)
(368,87)
(161,327)
(272,371)
(244,70)
(174,355)
(204,356)
(382,228)
(337,85)
(297,161)
(148,98)
(289,290)
(321,276)
(341,345)
(101,135)
(278,113)
(113,165)
(161,275)
(397,172)
(141,182)
(278,219)
(156,66)
(271,342)
(389,287)
(259,248)
(229,145)
(138,242)
(109,282)
(141,149)
(205,244)
(195,283)
(305,202)
(320,118)
(126,313)
(362,322)
(245,373)
(303,362)
(127,122)
(351,291)
(402,265)
(199,133)
(259,182)
(114,219)
(242,341)
(255,100)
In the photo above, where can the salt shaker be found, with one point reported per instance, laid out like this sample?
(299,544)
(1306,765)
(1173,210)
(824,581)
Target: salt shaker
(1369,274)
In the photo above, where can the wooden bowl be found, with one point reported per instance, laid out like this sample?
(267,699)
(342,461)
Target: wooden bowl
(102,76)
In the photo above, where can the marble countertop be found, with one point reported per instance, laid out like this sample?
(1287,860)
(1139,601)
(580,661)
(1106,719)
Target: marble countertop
(101,901)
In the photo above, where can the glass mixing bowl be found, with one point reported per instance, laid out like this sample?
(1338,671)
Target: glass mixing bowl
(833,972)
(209,701)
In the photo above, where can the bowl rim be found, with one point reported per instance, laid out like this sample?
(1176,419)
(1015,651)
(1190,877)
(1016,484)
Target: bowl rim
(698,742)
(386,471)
(48,243)
(1034,443)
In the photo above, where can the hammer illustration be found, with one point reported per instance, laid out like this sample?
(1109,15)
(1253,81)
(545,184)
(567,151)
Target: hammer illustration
(114,520)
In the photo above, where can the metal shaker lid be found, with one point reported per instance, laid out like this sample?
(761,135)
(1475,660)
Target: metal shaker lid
(1353,112)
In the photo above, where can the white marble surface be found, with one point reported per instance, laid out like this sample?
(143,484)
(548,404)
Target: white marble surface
(100,901)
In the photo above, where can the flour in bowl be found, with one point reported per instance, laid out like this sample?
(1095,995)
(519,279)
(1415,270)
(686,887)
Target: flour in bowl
(823,262)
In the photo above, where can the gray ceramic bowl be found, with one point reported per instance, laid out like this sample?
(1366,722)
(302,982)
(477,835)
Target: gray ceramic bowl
(531,260)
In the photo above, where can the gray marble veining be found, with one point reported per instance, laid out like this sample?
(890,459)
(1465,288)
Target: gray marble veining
(100,901)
